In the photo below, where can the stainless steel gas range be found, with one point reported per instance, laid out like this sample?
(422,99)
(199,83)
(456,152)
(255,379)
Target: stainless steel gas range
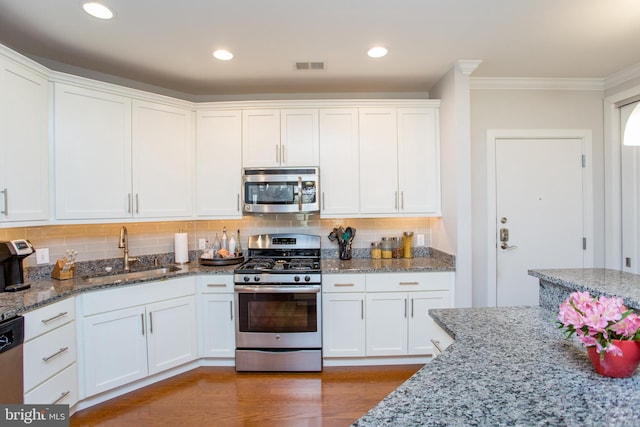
(278,304)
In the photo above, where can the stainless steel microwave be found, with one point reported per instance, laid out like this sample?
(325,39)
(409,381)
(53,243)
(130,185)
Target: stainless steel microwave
(280,190)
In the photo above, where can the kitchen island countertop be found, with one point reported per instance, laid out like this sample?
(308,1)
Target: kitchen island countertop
(508,366)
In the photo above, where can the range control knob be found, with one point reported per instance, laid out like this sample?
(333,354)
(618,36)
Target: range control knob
(246,278)
(256,278)
(307,278)
(297,278)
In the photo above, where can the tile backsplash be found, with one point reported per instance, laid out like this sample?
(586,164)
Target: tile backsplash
(100,241)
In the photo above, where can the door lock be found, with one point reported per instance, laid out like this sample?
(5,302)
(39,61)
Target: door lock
(504,239)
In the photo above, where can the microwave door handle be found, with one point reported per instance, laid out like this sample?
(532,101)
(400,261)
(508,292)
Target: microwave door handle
(300,193)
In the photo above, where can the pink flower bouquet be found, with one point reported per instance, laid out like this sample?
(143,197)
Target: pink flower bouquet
(597,322)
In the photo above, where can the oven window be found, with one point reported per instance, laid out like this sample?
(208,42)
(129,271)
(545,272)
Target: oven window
(266,312)
(278,193)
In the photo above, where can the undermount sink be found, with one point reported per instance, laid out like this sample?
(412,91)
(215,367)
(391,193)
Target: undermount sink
(126,276)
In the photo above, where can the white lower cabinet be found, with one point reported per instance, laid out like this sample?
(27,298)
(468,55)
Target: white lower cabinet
(343,315)
(398,321)
(381,314)
(49,353)
(157,331)
(216,316)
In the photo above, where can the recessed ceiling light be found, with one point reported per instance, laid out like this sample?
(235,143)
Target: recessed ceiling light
(98,10)
(223,55)
(377,52)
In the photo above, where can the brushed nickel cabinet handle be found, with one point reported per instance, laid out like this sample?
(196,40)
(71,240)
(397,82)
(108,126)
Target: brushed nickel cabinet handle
(142,322)
(323,208)
(137,203)
(362,309)
(409,283)
(402,200)
(130,203)
(343,284)
(231,309)
(150,322)
(238,202)
(282,154)
(216,285)
(56,317)
(436,344)
(6,201)
(57,353)
(277,154)
(62,396)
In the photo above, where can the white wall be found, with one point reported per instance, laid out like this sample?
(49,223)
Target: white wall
(452,233)
(530,109)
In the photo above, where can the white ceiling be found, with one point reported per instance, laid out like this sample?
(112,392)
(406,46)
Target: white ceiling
(168,43)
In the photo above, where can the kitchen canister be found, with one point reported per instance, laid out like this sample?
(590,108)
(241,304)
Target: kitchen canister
(407,240)
(181,248)
(376,250)
(387,248)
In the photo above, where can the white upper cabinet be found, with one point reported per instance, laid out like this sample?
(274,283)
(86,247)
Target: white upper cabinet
(339,162)
(418,161)
(378,161)
(299,140)
(218,163)
(24,151)
(92,151)
(399,162)
(118,158)
(274,137)
(162,160)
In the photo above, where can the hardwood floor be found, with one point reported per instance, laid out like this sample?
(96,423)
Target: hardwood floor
(213,396)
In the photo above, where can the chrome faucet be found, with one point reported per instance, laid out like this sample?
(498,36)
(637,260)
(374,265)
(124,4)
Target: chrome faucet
(124,244)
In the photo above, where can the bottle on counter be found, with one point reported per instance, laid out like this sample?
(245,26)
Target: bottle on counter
(224,243)
(232,245)
(238,251)
(376,250)
(387,248)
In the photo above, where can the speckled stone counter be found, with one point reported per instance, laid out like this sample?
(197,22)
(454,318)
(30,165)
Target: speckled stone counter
(508,367)
(556,285)
(45,290)
(436,261)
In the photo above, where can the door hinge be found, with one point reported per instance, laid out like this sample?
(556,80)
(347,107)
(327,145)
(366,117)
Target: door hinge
(584,161)
(584,243)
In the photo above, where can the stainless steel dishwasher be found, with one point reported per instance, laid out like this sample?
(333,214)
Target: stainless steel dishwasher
(11,338)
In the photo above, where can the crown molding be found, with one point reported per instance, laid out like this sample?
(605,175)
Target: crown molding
(468,66)
(622,76)
(518,83)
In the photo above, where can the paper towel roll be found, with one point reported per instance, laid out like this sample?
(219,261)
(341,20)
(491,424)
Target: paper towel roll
(181,248)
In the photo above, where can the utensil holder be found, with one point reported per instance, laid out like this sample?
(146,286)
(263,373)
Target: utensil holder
(345,250)
(59,273)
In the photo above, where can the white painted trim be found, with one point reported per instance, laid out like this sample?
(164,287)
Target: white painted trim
(492,231)
(518,83)
(622,76)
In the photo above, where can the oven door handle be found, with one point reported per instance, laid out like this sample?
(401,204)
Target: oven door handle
(278,289)
(300,193)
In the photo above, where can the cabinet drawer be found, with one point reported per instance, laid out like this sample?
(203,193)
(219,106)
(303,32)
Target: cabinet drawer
(343,283)
(408,282)
(49,354)
(61,389)
(215,284)
(45,319)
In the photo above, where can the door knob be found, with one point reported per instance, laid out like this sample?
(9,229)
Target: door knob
(504,238)
(507,247)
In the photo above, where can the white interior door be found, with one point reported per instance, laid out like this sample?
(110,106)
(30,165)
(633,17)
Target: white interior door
(540,212)
(630,185)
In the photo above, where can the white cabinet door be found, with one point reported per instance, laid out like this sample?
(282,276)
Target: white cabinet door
(171,336)
(339,162)
(92,151)
(261,138)
(386,324)
(343,325)
(162,160)
(418,161)
(115,349)
(378,161)
(218,164)
(24,150)
(299,137)
(217,325)
(421,325)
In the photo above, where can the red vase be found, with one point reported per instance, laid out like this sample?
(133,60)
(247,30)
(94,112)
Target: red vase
(617,366)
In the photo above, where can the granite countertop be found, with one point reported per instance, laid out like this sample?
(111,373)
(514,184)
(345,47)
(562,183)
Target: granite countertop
(599,281)
(508,366)
(45,290)
(437,261)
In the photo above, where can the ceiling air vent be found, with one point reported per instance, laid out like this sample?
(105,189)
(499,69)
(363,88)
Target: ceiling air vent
(303,66)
